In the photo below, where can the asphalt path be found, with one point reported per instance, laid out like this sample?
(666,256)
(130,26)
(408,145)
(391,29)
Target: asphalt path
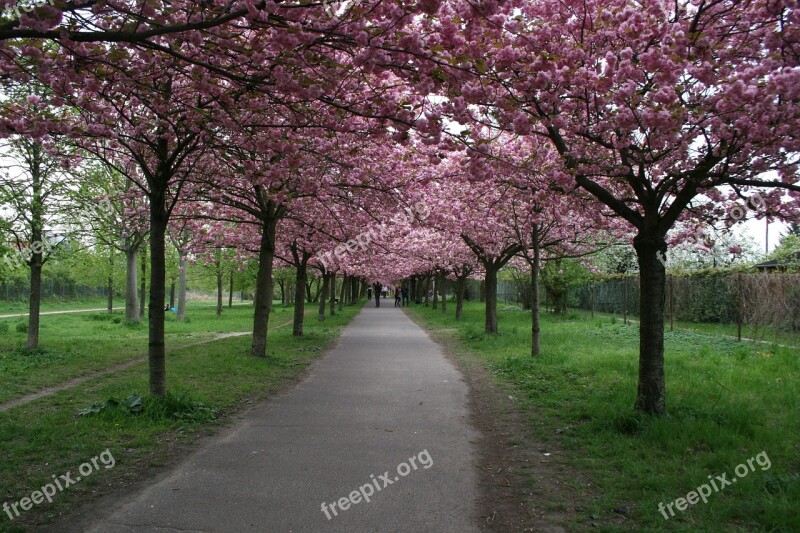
(377,437)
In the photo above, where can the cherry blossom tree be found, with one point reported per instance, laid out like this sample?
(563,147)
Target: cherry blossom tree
(659,109)
(480,211)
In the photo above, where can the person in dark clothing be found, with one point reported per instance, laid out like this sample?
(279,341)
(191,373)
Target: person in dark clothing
(369,293)
(378,294)
(397,296)
(404,290)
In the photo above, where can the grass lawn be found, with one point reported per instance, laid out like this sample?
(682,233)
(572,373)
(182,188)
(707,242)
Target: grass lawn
(15,307)
(73,345)
(727,403)
(9,307)
(206,382)
(762,334)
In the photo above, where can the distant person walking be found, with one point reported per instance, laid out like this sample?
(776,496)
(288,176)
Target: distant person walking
(369,293)
(378,288)
(397,291)
(404,290)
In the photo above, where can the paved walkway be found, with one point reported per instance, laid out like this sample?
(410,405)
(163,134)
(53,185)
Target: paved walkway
(384,395)
(63,312)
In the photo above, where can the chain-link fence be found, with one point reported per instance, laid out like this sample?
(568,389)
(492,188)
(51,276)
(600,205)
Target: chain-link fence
(754,300)
(18,290)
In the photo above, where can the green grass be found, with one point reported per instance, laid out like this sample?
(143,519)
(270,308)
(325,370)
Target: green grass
(73,345)
(762,334)
(15,307)
(727,402)
(206,384)
(8,307)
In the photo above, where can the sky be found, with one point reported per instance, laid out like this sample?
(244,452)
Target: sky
(756,229)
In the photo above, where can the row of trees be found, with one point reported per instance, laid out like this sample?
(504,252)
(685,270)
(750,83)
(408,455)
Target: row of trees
(532,130)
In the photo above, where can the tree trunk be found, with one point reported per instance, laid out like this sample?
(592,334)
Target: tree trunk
(143,285)
(436,289)
(219,290)
(266,256)
(671,308)
(299,299)
(427,290)
(131,282)
(625,301)
(156,349)
(323,295)
(444,293)
(284,301)
(309,298)
(650,396)
(536,325)
(491,297)
(37,253)
(559,301)
(342,291)
(739,307)
(230,292)
(110,282)
(35,301)
(333,293)
(181,285)
(353,290)
(110,300)
(461,288)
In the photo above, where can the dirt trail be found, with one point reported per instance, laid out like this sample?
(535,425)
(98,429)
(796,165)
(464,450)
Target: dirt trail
(66,311)
(110,370)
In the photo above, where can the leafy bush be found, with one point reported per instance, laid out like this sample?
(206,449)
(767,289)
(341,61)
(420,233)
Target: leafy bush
(173,406)
(131,405)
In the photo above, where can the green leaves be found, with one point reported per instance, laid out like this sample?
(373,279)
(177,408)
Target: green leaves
(174,406)
(133,404)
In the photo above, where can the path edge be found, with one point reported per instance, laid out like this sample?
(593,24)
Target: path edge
(84,516)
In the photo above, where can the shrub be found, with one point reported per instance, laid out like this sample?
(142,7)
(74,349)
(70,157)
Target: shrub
(173,406)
